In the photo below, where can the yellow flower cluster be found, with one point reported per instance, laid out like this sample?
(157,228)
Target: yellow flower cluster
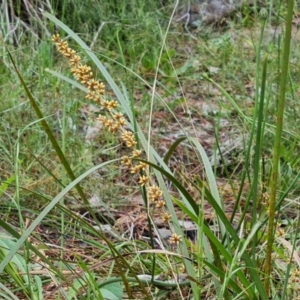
(96,90)
(81,72)
(115,122)
(154,193)
(175,239)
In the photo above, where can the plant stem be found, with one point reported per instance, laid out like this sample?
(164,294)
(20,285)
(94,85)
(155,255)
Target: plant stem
(276,150)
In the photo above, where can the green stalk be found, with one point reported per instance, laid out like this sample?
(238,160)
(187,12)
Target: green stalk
(276,150)
(259,133)
(258,120)
(64,180)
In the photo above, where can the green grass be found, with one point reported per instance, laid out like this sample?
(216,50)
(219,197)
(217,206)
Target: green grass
(203,107)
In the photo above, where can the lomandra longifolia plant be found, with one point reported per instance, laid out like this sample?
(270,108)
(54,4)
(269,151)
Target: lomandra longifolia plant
(115,123)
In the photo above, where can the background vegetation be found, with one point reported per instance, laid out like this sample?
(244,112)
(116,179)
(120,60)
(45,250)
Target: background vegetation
(203,104)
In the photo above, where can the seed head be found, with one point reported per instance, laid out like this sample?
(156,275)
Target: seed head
(136,153)
(143,180)
(166,217)
(128,138)
(126,160)
(160,204)
(175,239)
(154,193)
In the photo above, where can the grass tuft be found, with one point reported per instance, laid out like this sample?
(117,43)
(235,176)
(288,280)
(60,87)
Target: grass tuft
(140,164)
